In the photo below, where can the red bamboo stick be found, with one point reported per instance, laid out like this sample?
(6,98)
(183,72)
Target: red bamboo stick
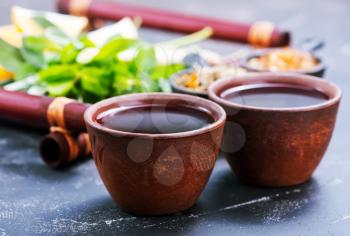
(259,34)
(32,111)
(56,150)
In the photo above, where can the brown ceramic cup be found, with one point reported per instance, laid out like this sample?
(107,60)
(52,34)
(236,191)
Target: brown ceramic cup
(155,174)
(277,146)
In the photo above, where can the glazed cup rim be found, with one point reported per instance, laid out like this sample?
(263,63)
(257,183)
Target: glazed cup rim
(244,62)
(216,88)
(203,103)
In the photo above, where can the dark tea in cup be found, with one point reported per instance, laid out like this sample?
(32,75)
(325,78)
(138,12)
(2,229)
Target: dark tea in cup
(274,95)
(155,119)
(155,152)
(278,125)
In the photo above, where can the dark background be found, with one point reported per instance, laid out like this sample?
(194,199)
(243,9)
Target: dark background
(37,200)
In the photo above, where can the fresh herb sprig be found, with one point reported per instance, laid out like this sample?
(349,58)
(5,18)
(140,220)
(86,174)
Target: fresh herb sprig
(57,65)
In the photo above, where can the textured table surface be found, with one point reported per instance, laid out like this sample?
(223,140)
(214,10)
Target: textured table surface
(37,200)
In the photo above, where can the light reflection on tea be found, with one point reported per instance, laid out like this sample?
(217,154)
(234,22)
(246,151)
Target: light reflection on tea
(155,119)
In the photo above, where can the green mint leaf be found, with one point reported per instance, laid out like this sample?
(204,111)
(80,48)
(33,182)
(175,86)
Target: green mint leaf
(96,81)
(69,54)
(124,84)
(43,21)
(60,89)
(35,58)
(40,43)
(12,60)
(56,35)
(149,85)
(24,71)
(112,47)
(58,73)
(165,71)
(84,42)
(145,60)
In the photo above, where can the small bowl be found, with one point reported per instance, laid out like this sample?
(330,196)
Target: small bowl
(317,71)
(181,89)
(276,146)
(155,174)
